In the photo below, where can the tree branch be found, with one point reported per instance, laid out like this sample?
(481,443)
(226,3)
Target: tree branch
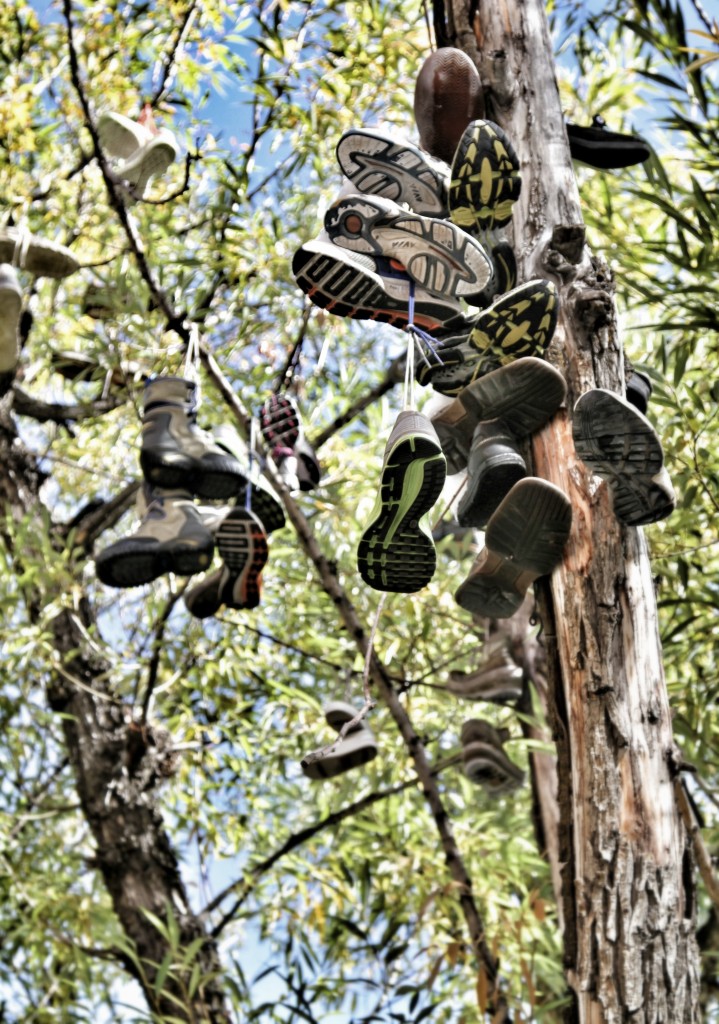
(56,412)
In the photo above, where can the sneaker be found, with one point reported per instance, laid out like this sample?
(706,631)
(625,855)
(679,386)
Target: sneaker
(10,313)
(150,161)
(369,288)
(503,279)
(495,466)
(619,444)
(638,389)
(36,255)
(264,501)
(356,748)
(395,552)
(280,422)
(498,679)
(525,393)
(448,95)
(597,146)
(399,171)
(172,537)
(242,543)
(485,181)
(524,539)
(435,253)
(520,323)
(120,136)
(309,471)
(484,759)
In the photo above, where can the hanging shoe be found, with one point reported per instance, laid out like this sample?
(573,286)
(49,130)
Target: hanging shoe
(497,680)
(435,253)
(638,389)
(520,323)
(280,422)
(172,537)
(356,748)
(264,501)
(10,313)
(495,465)
(120,136)
(242,543)
(36,255)
(448,96)
(309,471)
(485,181)
(378,166)
(150,161)
(396,553)
(599,147)
(524,540)
(503,278)
(484,759)
(175,451)
(369,288)
(621,446)
(525,393)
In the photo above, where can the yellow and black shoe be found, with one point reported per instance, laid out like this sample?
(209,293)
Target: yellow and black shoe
(485,181)
(396,553)
(520,323)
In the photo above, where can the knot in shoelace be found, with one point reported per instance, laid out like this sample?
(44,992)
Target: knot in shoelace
(422,338)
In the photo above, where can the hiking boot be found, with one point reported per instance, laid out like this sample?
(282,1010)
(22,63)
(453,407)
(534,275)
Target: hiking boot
(497,680)
(175,451)
(484,759)
(503,278)
(524,539)
(120,136)
(525,393)
(448,96)
(396,553)
(264,501)
(280,422)
(520,323)
(399,171)
(435,253)
(356,748)
(35,255)
(638,390)
(619,444)
(495,465)
(150,161)
(10,313)
(369,288)
(485,181)
(597,146)
(242,543)
(171,538)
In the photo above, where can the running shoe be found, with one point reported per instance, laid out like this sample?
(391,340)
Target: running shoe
(599,147)
(242,543)
(448,95)
(356,748)
(484,759)
(485,180)
(494,467)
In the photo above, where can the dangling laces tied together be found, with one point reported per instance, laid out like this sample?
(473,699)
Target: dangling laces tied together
(22,244)
(192,361)
(419,335)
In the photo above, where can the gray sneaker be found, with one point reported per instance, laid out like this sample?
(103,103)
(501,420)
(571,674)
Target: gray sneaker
(10,311)
(356,748)
(36,255)
(497,680)
(525,393)
(495,465)
(435,253)
(484,759)
(524,540)
(619,444)
(172,537)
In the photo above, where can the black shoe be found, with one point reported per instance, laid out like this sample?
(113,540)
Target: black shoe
(606,150)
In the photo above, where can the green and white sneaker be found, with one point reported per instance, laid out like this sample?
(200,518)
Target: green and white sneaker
(520,323)
(485,181)
(524,540)
(619,444)
(396,553)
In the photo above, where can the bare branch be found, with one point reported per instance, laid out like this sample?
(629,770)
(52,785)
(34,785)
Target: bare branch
(56,412)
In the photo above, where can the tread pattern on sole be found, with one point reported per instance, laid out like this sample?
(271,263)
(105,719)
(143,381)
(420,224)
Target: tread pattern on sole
(242,544)
(485,181)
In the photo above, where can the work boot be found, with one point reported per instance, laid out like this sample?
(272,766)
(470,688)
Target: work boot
(172,537)
(356,748)
(242,543)
(448,96)
(175,451)
(525,394)
(10,311)
(484,759)
(36,255)
(497,680)
(495,465)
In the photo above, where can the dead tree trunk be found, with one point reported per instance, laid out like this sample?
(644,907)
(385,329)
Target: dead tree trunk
(628,893)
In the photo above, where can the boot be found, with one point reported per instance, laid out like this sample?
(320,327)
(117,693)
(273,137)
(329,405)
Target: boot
(171,538)
(10,310)
(495,465)
(484,759)
(498,679)
(175,451)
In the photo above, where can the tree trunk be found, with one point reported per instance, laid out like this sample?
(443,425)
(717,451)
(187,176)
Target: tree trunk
(628,890)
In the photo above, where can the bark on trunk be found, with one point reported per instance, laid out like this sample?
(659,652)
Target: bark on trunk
(628,886)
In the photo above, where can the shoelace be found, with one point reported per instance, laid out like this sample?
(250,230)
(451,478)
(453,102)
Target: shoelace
(419,336)
(22,244)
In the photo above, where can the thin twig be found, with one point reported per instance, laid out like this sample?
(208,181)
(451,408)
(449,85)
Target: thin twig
(703,857)
(174,52)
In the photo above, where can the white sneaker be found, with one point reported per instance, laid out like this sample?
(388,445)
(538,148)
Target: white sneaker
(150,161)
(120,136)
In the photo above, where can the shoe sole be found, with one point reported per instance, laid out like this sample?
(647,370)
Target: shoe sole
(280,422)
(518,325)
(486,490)
(159,156)
(485,181)
(394,552)
(265,507)
(120,136)
(485,766)
(337,283)
(38,257)
(132,562)
(435,253)
(399,172)
(524,540)
(356,749)
(205,600)
(221,478)
(10,312)
(619,444)
(498,693)
(604,149)
(242,544)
